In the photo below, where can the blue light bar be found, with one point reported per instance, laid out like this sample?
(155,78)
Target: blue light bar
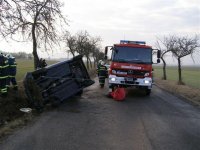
(132,42)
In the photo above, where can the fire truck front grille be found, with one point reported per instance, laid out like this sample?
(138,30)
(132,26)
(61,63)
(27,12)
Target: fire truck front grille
(129,82)
(136,72)
(139,73)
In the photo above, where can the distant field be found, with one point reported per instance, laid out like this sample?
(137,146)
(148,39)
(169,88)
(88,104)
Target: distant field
(24,65)
(190,75)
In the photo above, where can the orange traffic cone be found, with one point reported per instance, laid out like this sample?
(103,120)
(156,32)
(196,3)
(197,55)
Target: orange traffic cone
(119,94)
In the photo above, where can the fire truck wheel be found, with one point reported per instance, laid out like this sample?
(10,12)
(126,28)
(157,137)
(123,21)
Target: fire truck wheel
(148,91)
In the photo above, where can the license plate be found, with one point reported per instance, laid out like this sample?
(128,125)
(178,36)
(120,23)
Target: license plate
(129,79)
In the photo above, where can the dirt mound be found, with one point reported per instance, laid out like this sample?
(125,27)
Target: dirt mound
(11,104)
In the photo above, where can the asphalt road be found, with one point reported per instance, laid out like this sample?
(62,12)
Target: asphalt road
(94,122)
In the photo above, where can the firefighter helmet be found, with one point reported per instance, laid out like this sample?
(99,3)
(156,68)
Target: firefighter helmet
(102,63)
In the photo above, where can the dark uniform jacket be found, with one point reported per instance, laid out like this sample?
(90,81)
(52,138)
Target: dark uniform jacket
(102,71)
(12,66)
(3,67)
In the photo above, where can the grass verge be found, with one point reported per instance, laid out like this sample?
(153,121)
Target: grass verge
(189,93)
(10,115)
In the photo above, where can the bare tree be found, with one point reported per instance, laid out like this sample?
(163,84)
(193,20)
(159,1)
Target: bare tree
(71,43)
(36,20)
(83,44)
(94,48)
(89,46)
(165,45)
(82,39)
(184,46)
(97,55)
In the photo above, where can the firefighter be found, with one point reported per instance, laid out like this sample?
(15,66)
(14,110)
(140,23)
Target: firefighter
(3,74)
(7,72)
(42,63)
(12,71)
(99,63)
(102,73)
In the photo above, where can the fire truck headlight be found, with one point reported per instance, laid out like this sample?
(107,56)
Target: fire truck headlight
(113,79)
(146,81)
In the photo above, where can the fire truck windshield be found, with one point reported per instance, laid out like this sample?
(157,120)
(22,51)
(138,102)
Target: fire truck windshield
(133,55)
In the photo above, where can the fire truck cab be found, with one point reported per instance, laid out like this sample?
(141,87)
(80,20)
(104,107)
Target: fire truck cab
(131,65)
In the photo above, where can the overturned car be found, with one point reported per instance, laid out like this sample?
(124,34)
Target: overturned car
(57,82)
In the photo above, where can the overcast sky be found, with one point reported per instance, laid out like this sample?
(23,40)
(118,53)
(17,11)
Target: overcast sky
(144,20)
(134,19)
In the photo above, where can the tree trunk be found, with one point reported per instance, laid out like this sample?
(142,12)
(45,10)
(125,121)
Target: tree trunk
(35,55)
(164,69)
(90,63)
(72,53)
(87,63)
(94,62)
(179,72)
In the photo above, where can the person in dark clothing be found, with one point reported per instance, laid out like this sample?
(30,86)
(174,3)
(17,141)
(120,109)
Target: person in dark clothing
(12,70)
(3,74)
(97,69)
(102,73)
(42,63)
(7,72)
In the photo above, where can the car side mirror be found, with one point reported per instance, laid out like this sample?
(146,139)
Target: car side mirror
(158,54)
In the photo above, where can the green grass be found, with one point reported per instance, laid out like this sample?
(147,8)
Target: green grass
(190,75)
(24,66)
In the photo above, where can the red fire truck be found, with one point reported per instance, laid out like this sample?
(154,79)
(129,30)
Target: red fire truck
(131,65)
